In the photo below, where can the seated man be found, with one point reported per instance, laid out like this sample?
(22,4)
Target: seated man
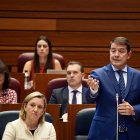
(74,93)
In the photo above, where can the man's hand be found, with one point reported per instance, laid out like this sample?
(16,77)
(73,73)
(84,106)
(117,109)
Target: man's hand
(93,83)
(125,108)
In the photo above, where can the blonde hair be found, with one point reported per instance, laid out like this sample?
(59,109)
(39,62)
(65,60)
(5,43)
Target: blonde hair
(29,97)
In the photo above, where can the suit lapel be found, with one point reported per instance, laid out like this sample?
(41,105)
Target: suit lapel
(65,96)
(113,79)
(129,80)
(65,100)
(83,95)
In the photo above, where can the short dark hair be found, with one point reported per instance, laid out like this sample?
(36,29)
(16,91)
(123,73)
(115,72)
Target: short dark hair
(4,70)
(76,62)
(122,41)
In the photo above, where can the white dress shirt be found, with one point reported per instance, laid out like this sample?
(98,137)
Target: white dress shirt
(78,95)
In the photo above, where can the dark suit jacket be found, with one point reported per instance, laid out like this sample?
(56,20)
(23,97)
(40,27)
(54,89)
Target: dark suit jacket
(61,96)
(103,126)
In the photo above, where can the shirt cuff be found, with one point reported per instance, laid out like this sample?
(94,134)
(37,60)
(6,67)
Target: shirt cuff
(93,93)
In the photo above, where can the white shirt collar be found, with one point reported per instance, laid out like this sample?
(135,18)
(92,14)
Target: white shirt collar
(71,89)
(124,69)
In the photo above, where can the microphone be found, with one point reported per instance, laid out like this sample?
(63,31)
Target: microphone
(117,101)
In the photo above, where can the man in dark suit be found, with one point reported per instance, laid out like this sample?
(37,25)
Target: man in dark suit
(65,95)
(104,86)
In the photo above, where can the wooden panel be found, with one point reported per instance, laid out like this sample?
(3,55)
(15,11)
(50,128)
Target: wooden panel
(27,24)
(98,59)
(71,15)
(54,110)
(98,25)
(9,57)
(6,107)
(78,5)
(20,78)
(84,27)
(44,79)
(69,25)
(40,82)
(87,58)
(64,41)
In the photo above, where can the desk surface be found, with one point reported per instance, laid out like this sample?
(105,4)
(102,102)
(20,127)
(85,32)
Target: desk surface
(40,82)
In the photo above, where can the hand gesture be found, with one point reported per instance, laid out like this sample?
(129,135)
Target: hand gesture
(93,83)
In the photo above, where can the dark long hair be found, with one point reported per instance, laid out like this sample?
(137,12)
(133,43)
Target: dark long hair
(49,63)
(4,70)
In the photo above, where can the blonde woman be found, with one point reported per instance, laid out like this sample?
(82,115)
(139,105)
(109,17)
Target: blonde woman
(31,124)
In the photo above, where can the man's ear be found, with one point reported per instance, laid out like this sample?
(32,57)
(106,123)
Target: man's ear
(129,54)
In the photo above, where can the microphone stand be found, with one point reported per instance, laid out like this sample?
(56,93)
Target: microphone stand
(117,100)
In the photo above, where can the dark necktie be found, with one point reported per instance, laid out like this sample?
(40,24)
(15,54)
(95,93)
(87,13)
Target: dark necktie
(74,99)
(122,126)
(121,84)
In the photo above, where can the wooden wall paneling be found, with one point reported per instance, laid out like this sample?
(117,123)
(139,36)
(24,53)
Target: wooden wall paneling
(69,15)
(69,25)
(88,58)
(25,40)
(27,24)
(54,110)
(72,26)
(97,25)
(79,5)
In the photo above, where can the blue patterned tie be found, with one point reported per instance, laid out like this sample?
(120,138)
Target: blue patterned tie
(121,84)
(74,99)
(122,126)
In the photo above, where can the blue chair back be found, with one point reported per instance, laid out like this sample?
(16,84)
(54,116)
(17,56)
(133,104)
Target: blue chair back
(82,124)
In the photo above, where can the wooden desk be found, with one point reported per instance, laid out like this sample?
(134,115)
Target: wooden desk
(54,110)
(6,107)
(40,82)
(72,112)
(20,78)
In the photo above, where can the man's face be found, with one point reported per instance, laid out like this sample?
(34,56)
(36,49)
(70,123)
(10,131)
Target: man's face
(119,55)
(74,75)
